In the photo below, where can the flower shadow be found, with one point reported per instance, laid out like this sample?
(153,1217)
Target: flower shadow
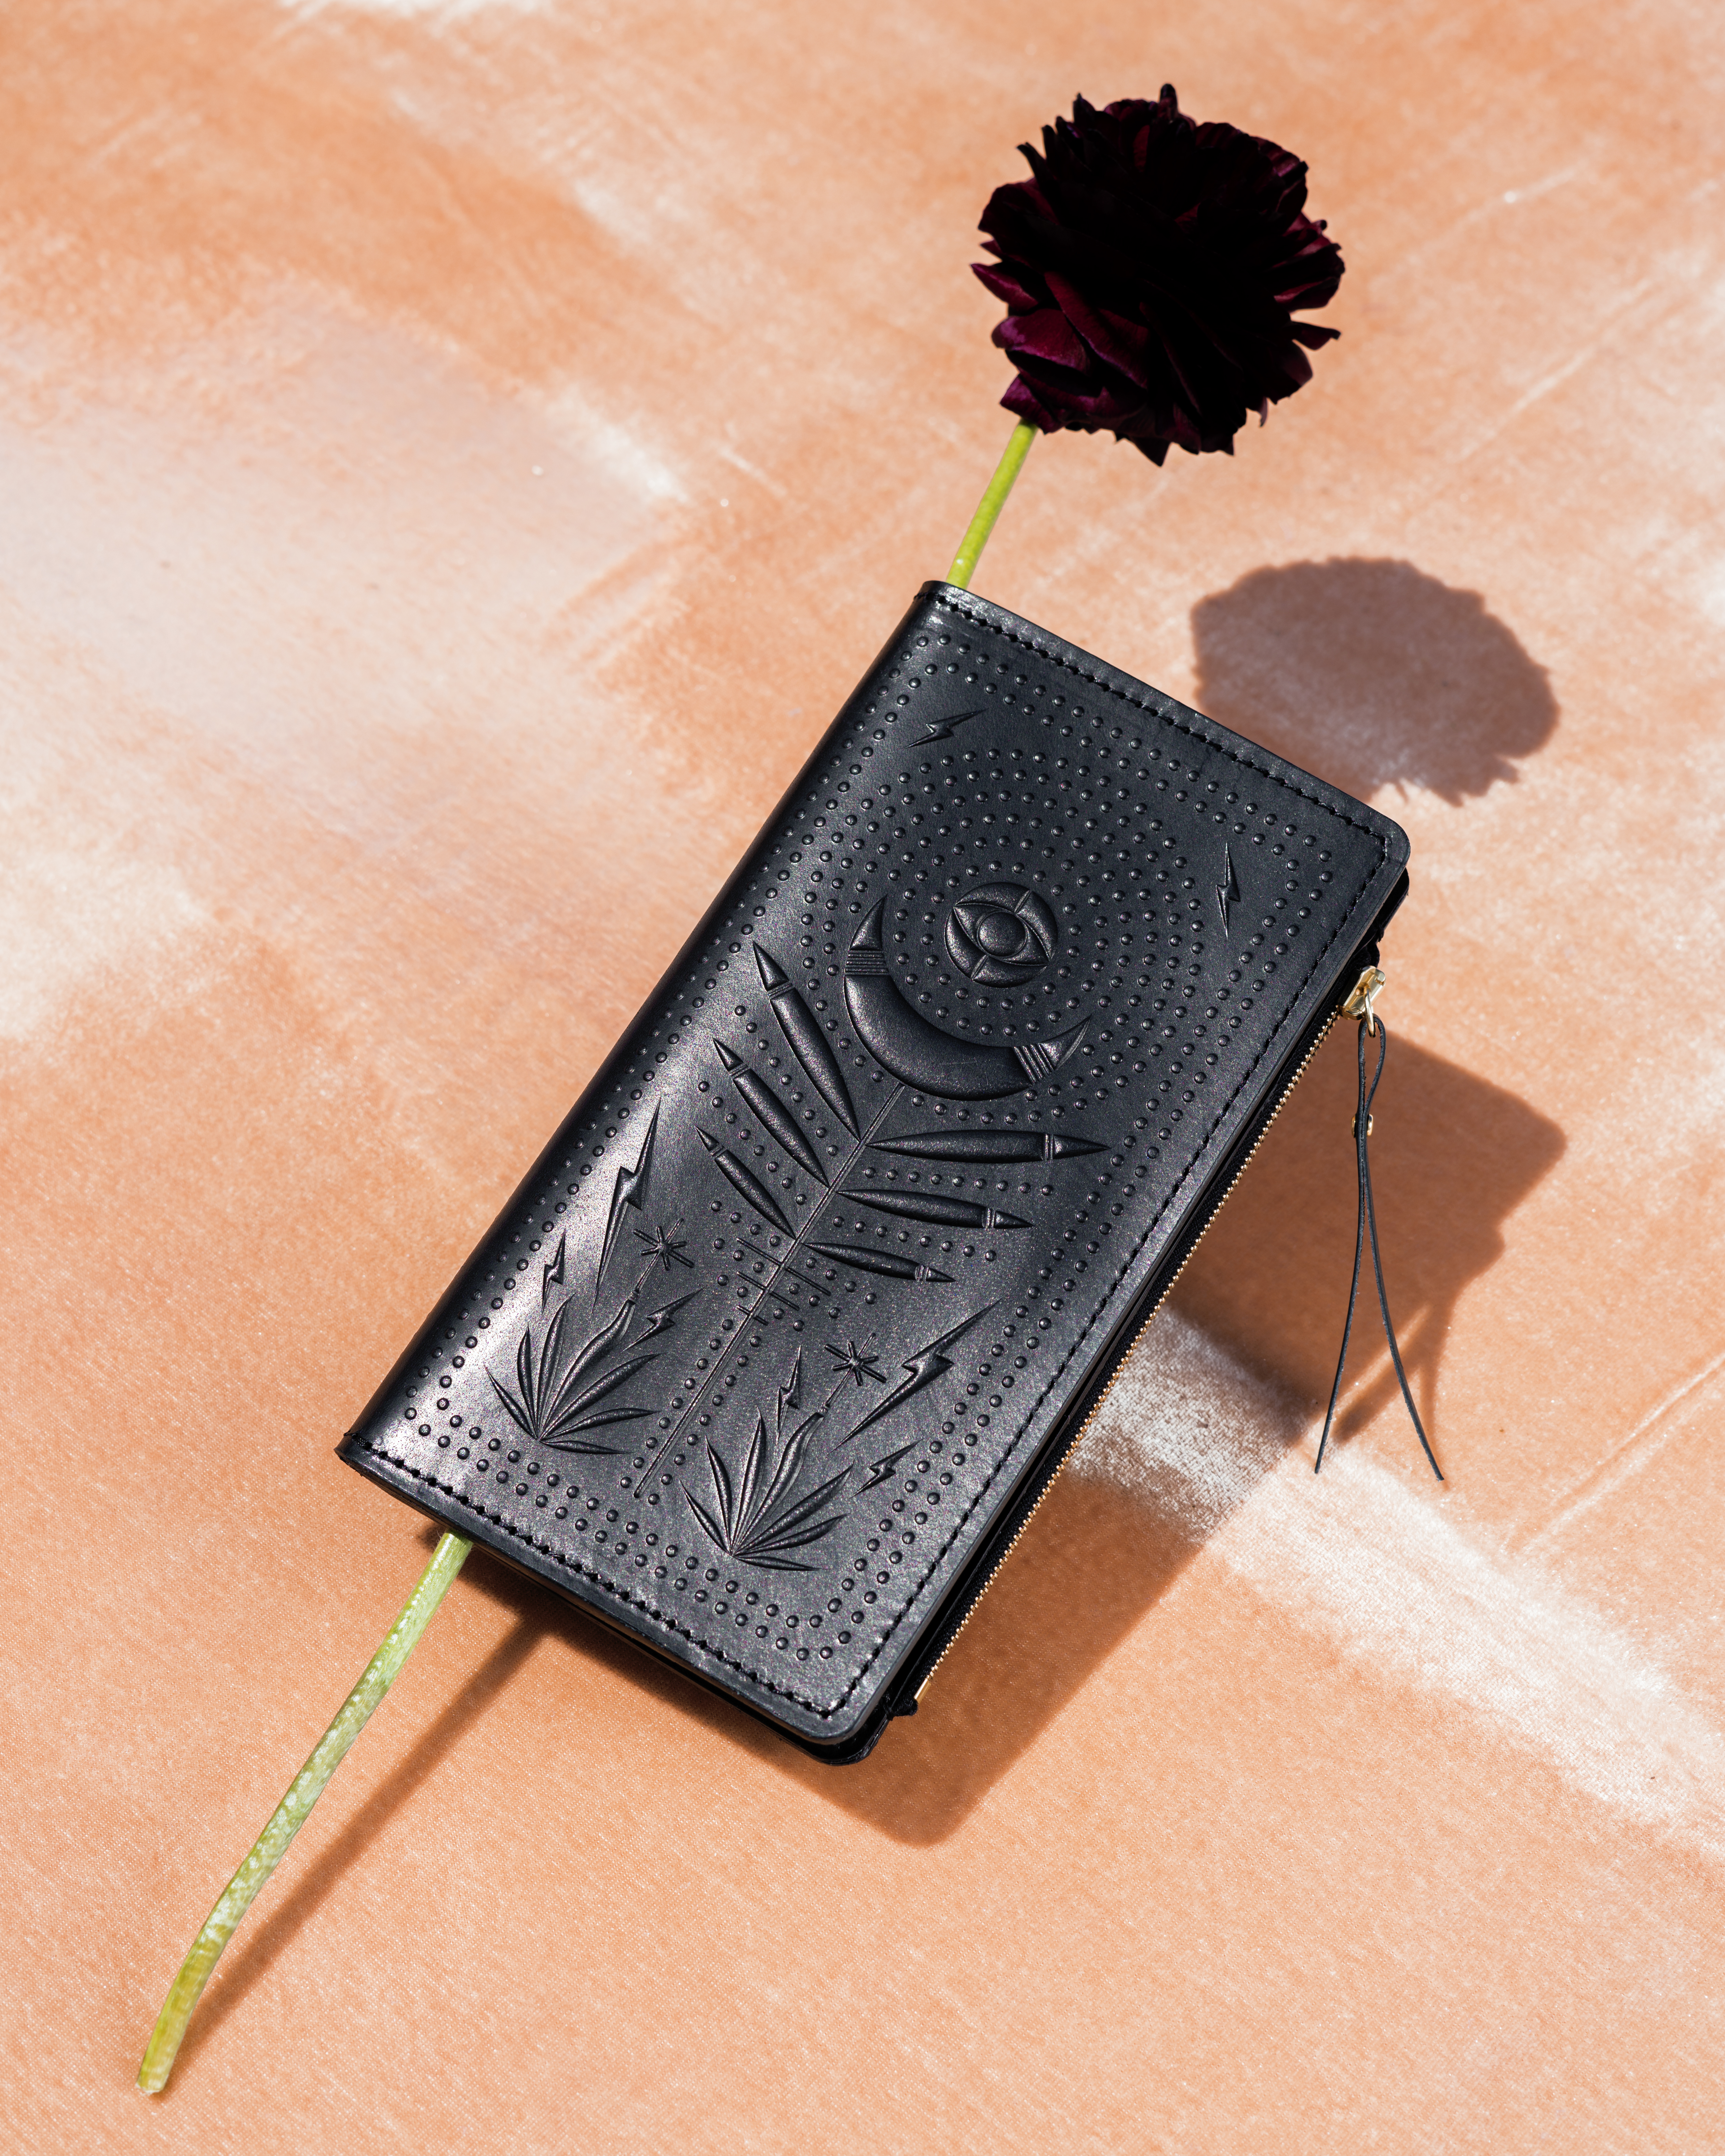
(1370,674)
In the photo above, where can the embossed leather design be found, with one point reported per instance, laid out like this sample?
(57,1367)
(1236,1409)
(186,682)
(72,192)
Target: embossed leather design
(804,1299)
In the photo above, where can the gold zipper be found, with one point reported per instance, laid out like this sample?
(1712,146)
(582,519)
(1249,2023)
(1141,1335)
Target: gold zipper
(1367,988)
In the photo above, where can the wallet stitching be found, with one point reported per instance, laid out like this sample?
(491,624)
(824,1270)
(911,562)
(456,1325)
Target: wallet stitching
(663,1619)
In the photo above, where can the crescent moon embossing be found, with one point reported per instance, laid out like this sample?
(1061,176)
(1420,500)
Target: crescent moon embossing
(922,1055)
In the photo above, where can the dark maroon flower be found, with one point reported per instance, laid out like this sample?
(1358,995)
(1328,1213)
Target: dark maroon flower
(1151,268)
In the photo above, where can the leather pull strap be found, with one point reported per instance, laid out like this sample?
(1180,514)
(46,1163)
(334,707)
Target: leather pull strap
(1365,1225)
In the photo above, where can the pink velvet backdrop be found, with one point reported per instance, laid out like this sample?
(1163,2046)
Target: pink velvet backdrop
(413,420)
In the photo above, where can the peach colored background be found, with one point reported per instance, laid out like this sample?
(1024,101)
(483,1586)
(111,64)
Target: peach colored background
(415,421)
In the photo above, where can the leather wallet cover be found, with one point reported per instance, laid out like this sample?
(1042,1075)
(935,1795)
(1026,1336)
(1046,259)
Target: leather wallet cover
(775,1348)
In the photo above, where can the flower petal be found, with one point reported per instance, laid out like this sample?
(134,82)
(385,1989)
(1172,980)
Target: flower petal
(1045,334)
(1121,343)
(1005,285)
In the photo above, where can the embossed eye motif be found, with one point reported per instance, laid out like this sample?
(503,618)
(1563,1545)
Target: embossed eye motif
(1000,935)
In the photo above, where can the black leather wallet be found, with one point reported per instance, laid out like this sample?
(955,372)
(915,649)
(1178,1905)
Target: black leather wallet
(772,1354)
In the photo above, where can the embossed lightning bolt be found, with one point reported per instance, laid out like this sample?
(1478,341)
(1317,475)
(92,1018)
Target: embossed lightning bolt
(790,1392)
(551,1275)
(629,1190)
(923,1368)
(661,1319)
(1228,890)
(942,729)
(881,1471)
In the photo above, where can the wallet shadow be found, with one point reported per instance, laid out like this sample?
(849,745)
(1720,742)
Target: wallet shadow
(1453,1156)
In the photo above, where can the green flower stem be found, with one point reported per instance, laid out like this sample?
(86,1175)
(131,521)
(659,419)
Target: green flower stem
(989,507)
(291,1814)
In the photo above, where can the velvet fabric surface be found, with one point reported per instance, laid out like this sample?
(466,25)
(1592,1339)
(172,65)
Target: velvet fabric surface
(405,412)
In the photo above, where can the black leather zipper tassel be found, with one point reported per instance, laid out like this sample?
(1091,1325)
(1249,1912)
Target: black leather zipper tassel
(1366,1224)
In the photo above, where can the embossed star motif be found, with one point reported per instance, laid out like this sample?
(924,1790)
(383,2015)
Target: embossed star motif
(660,1246)
(852,1358)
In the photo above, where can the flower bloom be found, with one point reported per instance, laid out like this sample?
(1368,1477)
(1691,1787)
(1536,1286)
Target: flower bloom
(1151,268)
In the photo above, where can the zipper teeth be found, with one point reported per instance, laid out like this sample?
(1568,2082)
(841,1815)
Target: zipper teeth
(1114,1378)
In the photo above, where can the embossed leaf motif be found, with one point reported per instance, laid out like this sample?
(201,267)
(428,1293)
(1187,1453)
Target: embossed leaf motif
(762,1517)
(557,1397)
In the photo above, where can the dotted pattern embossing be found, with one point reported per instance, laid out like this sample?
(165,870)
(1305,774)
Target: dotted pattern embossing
(777,1326)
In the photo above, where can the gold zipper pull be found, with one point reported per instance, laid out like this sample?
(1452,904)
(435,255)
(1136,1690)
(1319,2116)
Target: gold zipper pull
(1363,995)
